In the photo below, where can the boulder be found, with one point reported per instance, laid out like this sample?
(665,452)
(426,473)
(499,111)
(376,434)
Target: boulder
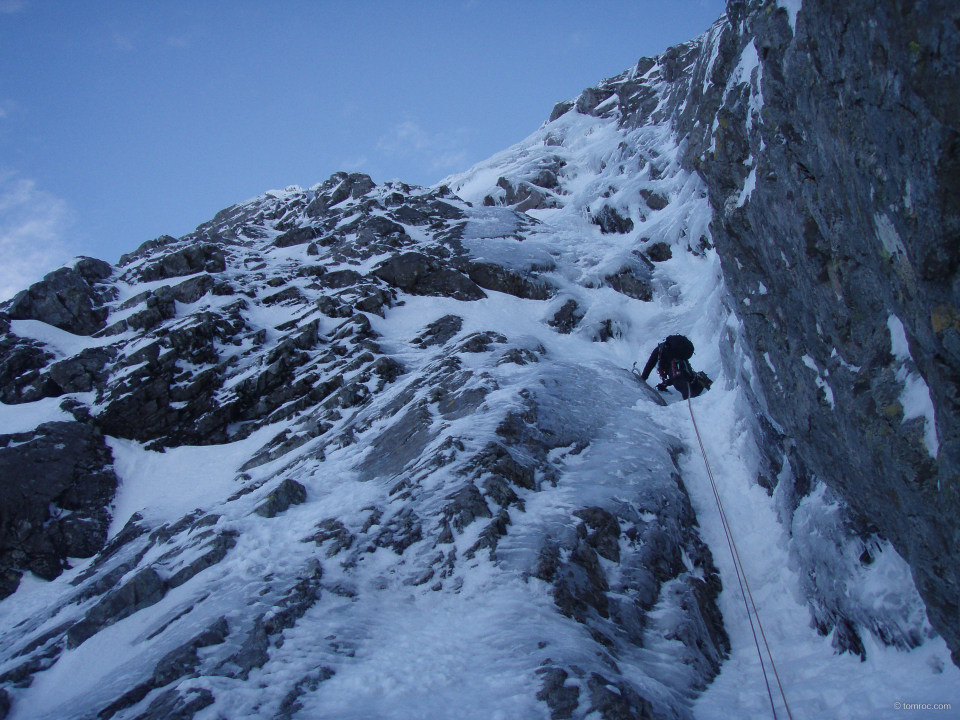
(590,98)
(500,279)
(82,372)
(654,201)
(567,317)
(297,236)
(191,259)
(630,282)
(144,589)
(439,331)
(21,361)
(561,108)
(659,252)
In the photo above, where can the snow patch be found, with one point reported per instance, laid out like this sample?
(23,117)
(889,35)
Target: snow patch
(748,186)
(915,397)
(164,486)
(821,383)
(27,416)
(792,7)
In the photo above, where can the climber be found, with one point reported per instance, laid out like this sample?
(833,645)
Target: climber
(672,358)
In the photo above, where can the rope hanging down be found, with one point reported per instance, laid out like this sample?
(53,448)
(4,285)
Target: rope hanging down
(742,579)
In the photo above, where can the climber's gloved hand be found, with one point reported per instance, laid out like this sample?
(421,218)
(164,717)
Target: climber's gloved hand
(662,387)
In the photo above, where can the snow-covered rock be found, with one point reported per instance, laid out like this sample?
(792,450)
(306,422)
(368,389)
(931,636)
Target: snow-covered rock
(380,452)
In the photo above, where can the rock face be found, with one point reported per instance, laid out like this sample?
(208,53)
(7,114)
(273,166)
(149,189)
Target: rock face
(58,482)
(852,311)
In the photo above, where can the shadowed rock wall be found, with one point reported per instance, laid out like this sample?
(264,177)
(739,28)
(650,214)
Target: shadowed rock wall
(834,174)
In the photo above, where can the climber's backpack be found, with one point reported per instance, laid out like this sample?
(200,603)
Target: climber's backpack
(678,347)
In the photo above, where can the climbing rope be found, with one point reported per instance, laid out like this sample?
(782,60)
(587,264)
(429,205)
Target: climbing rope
(742,579)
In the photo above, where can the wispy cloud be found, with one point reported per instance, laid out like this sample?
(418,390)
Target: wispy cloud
(179,41)
(123,41)
(32,227)
(439,152)
(8,108)
(187,38)
(8,7)
(353,164)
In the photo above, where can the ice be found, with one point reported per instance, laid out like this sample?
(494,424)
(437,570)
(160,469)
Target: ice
(470,649)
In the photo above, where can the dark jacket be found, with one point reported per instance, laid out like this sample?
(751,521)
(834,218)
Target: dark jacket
(671,357)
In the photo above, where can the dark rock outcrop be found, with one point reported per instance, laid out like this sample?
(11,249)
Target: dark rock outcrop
(287,494)
(500,279)
(142,590)
(611,221)
(439,331)
(418,274)
(58,482)
(66,298)
(632,282)
(185,261)
(567,317)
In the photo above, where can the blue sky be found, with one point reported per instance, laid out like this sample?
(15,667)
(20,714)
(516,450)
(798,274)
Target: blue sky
(122,121)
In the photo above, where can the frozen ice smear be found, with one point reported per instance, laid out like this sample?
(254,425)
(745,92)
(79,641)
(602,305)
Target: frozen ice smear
(792,7)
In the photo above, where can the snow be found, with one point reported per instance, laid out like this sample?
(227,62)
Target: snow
(817,682)
(165,486)
(27,416)
(915,397)
(471,649)
(748,187)
(61,342)
(792,7)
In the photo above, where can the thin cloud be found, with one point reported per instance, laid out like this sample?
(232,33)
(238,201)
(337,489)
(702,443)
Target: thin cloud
(8,108)
(8,7)
(353,164)
(123,42)
(32,226)
(185,39)
(439,152)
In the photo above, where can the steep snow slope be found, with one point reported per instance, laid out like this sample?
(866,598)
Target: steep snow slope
(378,454)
